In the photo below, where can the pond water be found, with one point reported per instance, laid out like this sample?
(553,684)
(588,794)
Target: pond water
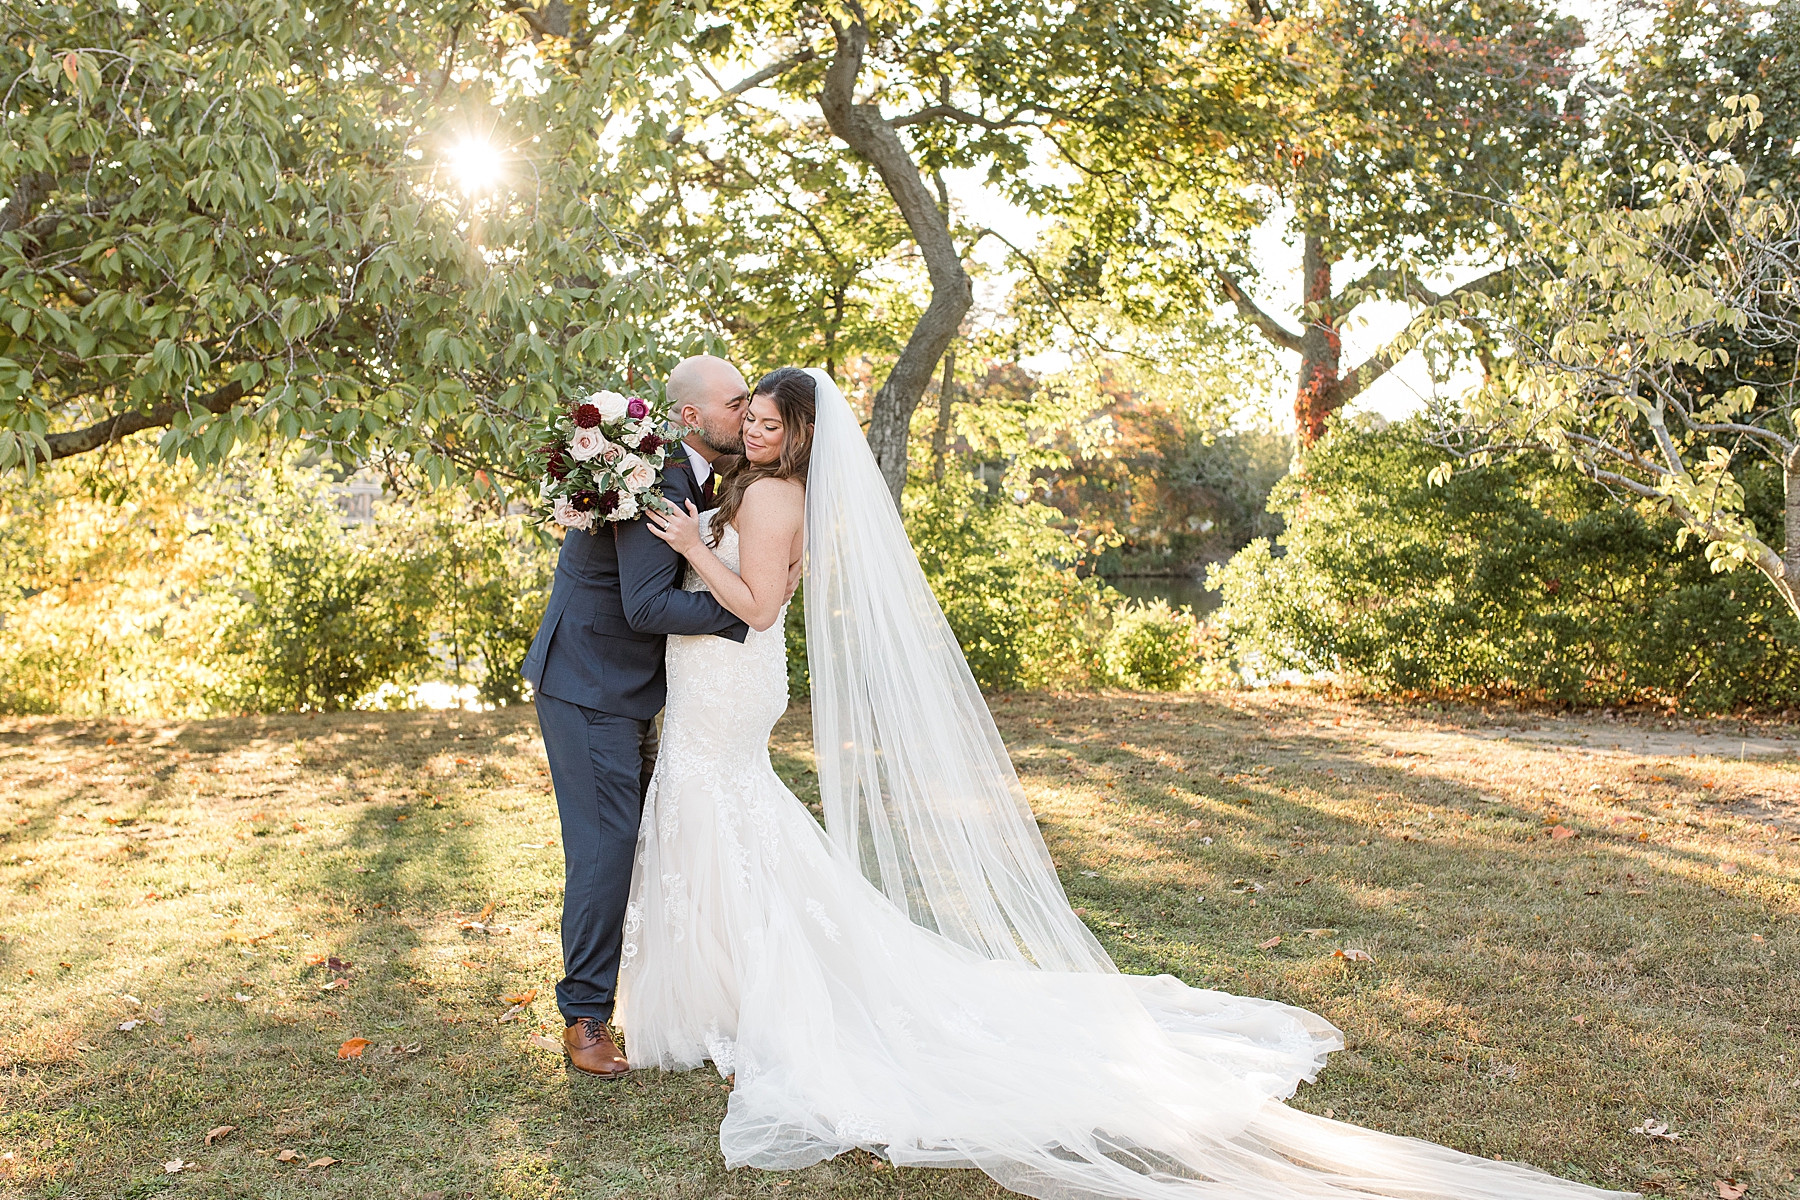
(1178,590)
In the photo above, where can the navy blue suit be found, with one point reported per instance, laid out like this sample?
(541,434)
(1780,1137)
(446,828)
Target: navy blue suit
(597,668)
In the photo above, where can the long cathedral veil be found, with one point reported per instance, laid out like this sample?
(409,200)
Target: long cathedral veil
(916,784)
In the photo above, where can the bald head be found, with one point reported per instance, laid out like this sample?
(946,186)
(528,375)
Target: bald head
(707,394)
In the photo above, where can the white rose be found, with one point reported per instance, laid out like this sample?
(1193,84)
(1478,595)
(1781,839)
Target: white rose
(586,443)
(639,475)
(612,406)
(628,507)
(544,490)
(566,515)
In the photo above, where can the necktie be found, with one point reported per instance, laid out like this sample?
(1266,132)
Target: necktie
(708,492)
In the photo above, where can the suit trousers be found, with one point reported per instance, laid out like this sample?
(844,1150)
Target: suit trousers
(600,766)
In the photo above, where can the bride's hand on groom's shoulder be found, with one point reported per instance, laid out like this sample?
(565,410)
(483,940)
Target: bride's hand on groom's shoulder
(681,529)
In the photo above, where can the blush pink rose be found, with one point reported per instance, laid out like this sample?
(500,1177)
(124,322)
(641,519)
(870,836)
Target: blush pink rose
(585,443)
(565,514)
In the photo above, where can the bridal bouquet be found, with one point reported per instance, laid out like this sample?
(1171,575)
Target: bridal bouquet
(603,456)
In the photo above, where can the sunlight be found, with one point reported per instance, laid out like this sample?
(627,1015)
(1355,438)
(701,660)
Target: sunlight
(476,164)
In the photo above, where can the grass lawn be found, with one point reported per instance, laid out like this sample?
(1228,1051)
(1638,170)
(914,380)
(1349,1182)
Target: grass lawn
(1566,940)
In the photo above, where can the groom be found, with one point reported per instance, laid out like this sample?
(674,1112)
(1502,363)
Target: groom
(597,667)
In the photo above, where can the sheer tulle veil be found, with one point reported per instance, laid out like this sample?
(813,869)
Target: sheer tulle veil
(916,784)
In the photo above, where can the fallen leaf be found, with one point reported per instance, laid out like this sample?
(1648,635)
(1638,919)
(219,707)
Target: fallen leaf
(288,1156)
(338,964)
(1756,937)
(1561,833)
(1730,1190)
(1656,1131)
(1728,868)
(1270,944)
(315,960)
(526,997)
(1354,955)
(354,1047)
(213,1135)
(335,984)
(156,1016)
(486,912)
(322,1162)
(545,1043)
(1091,874)
(175,1166)
(128,1026)
(131,999)
(515,1013)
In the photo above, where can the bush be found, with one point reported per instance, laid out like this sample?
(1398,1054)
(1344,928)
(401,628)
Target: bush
(107,596)
(1516,577)
(330,615)
(1153,647)
(1003,571)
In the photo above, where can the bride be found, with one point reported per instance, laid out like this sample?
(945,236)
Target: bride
(910,979)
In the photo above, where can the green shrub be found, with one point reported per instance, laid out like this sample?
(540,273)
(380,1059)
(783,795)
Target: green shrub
(1153,647)
(330,615)
(1515,576)
(1003,571)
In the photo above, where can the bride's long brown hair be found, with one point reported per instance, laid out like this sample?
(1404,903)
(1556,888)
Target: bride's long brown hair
(796,399)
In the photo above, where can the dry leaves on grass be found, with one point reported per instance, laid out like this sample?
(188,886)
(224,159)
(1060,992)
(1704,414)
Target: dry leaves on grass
(1270,944)
(545,1043)
(213,1135)
(322,1162)
(1656,1131)
(288,1156)
(1353,955)
(354,1047)
(1562,833)
(176,1166)
(1730,1189)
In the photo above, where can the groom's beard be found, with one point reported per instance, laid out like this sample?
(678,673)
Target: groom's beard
(721,444)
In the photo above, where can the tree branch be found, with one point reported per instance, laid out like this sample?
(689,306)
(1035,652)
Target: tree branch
(1248,309)
(949,112)
(1354,382)
(758,78)
(122,425)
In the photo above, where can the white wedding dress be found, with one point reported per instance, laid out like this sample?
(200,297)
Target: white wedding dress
(754,940)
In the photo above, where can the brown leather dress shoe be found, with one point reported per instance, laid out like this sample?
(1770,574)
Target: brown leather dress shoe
(592,1050)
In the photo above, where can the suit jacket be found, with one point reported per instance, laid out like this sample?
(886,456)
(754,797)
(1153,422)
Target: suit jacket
(616,597)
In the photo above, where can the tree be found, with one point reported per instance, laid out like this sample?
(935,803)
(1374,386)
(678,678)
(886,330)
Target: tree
(384,229)
(1391,134)
(1658,350)
(907,93)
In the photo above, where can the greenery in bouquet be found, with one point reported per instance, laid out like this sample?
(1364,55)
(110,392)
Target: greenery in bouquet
(603,459)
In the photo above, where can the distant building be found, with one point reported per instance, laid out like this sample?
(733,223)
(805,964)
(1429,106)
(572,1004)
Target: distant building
(356,498)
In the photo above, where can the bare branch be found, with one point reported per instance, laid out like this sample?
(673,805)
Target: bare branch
(949,112)
(1248,309)
(773,70)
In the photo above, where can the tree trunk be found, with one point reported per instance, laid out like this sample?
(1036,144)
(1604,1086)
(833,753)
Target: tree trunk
(861,127)
(1789,584)
(1320,346)
(940,436)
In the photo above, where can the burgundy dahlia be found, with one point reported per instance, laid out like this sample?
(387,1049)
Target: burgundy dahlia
(635,408)
(587,416)
(556,462)
(650,443)
(607,501)
(585,501)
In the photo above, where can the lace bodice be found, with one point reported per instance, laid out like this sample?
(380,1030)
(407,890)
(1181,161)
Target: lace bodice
(727,550)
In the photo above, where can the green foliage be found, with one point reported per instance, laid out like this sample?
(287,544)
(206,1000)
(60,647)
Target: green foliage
(1003,571)
(108,601)
(143,588)
(258,218)
(1153,647)
(329,617)
(1513,576)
